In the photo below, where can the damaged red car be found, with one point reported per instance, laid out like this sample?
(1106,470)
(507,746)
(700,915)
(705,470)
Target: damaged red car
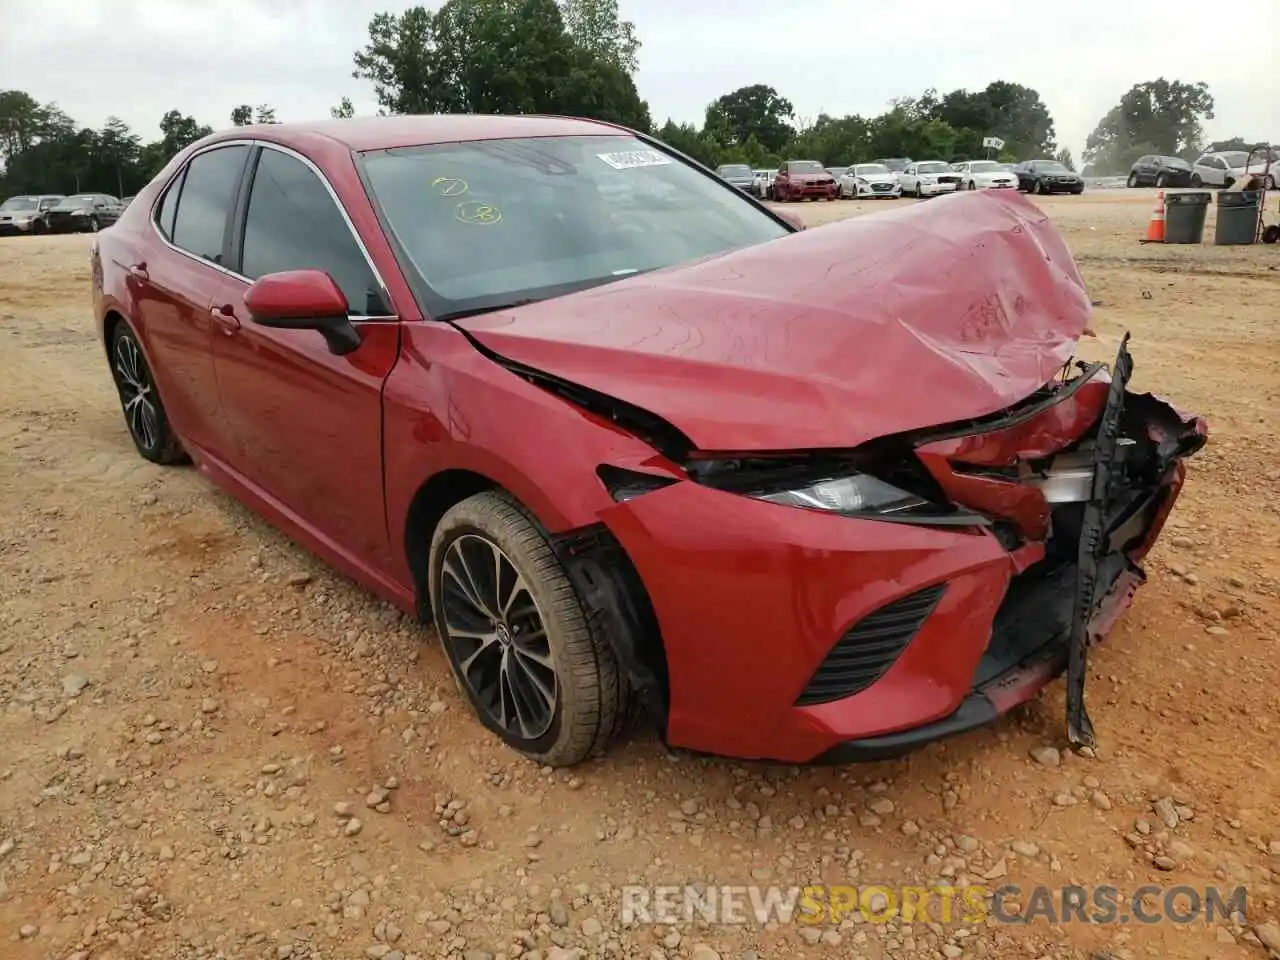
(627,438)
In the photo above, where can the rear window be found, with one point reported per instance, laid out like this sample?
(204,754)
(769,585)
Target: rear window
(735,171)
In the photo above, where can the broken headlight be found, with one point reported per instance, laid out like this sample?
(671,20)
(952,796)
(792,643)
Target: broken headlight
(859,493)
(839,485)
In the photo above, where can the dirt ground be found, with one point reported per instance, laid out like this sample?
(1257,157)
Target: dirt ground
(213,746)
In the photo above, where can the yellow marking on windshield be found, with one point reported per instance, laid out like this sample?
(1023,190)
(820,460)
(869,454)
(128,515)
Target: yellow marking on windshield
(478,212)
(450,186)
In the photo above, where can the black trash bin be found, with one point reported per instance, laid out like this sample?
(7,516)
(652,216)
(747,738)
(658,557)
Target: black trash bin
(1184,216)
(1237,217)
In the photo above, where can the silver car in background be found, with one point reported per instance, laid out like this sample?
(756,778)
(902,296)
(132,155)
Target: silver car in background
(869,180)
(737,174)
(985,175)
(1224,168)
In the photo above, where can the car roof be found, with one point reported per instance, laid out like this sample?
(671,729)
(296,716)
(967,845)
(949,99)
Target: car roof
(386,133)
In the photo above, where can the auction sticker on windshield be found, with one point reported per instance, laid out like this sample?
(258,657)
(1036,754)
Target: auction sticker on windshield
(635,158)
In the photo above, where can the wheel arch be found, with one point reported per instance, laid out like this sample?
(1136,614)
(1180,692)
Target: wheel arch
(606,581)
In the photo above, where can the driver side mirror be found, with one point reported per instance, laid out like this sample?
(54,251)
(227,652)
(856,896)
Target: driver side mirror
(304,300)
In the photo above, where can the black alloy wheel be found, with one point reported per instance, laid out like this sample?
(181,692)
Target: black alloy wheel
(535,664)
(497,637)
(143,412)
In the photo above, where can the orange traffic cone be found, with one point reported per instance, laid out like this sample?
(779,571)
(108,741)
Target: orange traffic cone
(1155,227)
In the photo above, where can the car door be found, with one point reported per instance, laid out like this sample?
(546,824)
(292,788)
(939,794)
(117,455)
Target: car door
(173,285)
(908,179)
(306,424)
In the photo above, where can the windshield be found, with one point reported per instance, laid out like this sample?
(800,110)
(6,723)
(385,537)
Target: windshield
(897,166)
(1174,162)
(484,224)
(983,166)
(1236,158)
(870,169)
(1050,166)
(931,166)
(80,201)
(735,170)
(19,203)
(805,166)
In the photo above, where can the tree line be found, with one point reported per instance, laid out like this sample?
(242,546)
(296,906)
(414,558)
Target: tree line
(578,57)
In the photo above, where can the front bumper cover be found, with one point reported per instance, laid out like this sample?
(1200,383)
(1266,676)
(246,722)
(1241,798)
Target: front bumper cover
(727,606)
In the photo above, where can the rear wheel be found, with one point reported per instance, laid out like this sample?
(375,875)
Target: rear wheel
(533,663)
(1161,180)
(143,412)
(93,225)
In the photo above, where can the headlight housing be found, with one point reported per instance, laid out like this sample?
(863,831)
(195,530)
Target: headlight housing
(838,485)
(854,494)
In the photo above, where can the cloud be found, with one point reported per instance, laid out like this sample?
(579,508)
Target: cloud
(137,59)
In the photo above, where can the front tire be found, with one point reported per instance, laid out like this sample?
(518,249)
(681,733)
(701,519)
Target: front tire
(534,664)
(94,226)
(144,413)
(1133,178)
(1161,180)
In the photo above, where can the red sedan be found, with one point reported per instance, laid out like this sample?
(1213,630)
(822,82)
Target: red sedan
(625,436)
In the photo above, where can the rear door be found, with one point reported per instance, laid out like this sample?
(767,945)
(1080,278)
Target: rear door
(306,424)
(174,282)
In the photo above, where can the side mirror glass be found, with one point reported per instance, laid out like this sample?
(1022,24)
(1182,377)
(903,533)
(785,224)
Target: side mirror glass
(304,300)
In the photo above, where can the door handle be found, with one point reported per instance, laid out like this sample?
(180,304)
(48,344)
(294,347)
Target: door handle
(225,317)
(139,271)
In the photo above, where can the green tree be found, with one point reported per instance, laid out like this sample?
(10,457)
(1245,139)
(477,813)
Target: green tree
(493,56)
(265,114)
(596,26)
(1159,116)
(1064,157)
(755,111)
(242,115)
(344,110)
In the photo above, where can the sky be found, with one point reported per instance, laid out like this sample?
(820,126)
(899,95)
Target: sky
(137,59)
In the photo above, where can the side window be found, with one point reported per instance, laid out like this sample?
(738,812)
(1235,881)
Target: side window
(207,191)
(293,224)
(169,206)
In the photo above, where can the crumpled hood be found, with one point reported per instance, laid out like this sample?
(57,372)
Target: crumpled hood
(827,338)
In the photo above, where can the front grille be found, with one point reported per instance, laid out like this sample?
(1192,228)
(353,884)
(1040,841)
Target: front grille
(948,179)
(882,187)
(868,649)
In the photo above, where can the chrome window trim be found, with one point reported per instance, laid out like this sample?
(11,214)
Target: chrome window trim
(333,195)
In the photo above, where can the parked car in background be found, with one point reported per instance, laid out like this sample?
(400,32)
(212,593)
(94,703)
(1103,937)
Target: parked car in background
(738,174)
(1047,176)
(1154,170)
(336,320)
(895,164)
(84,213)
(985,175)
(762,185)
(803,180)
(1224,168)
(869,180)
(928,178)
(125,201)
(27,214)
(836,172)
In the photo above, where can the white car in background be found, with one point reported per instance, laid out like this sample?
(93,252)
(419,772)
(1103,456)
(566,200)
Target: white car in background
(928,178)
(1225,168)
(869,180)
(762,183)
(985,175)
